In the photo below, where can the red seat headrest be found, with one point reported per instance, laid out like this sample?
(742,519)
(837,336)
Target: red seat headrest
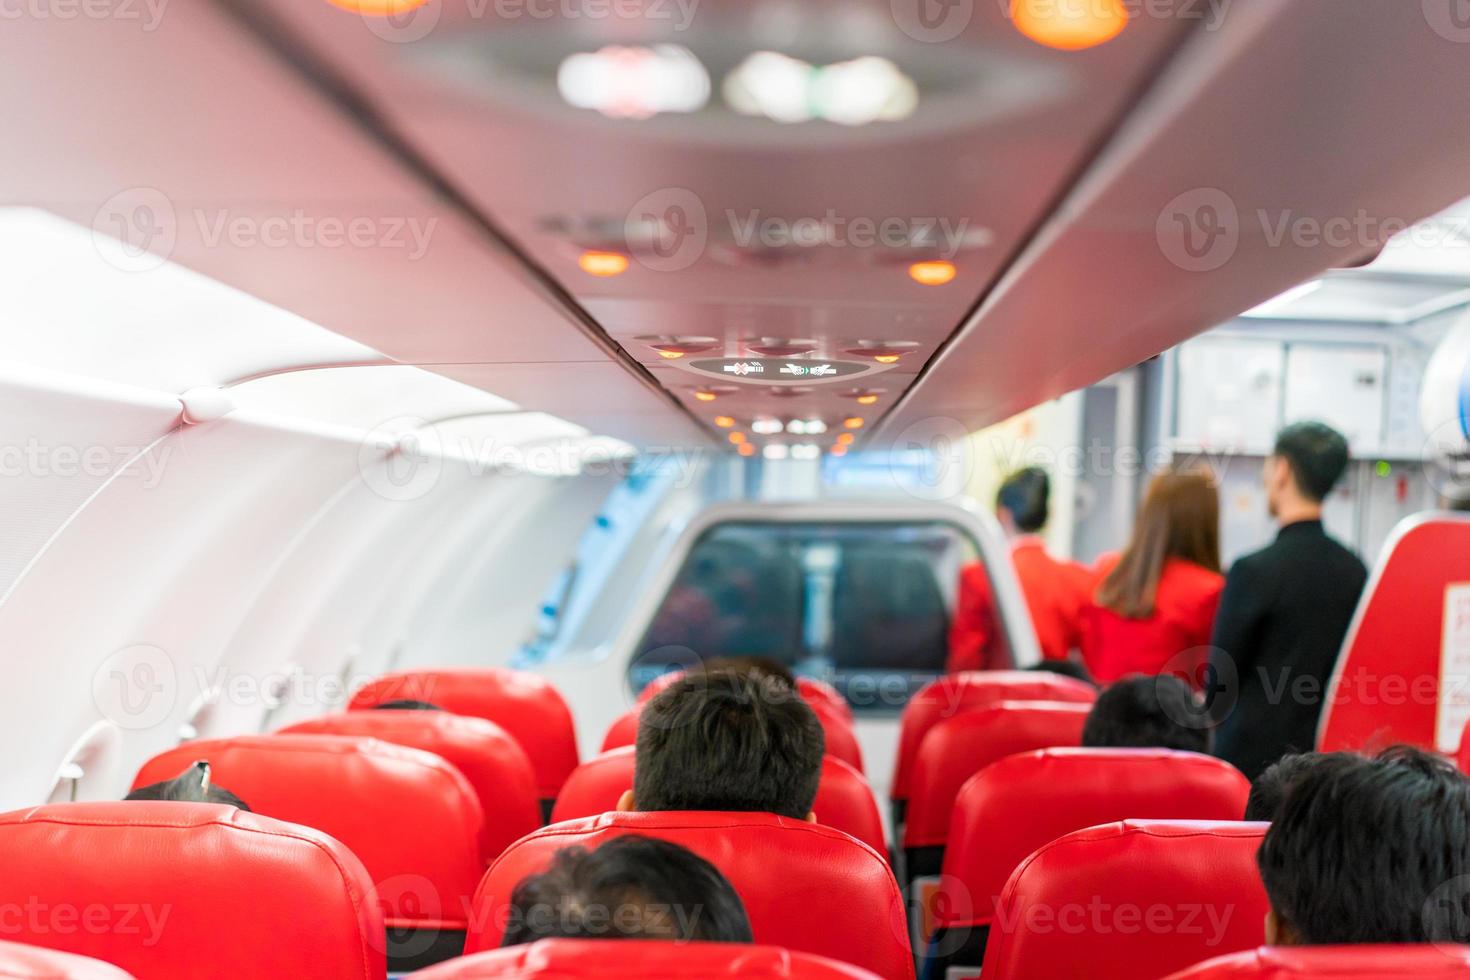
(805,887)
(957,748)
(565,959)
(1021,803)
(411,817)
(1431,962)
(21,962)
(485,753)
(523,704)
(175,891)
(966,691)
(1126,900)
(829,707)
(844,800)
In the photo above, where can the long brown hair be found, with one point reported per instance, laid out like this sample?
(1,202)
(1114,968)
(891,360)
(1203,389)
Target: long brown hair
(1180,518)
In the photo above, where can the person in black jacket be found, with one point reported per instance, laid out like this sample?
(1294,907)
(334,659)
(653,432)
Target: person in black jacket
(1285,610)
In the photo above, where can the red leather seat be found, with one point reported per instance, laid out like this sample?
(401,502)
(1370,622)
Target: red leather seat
(1024,802)
(489,758)
(1127,900)
(842,741)
(176,891)
(958,747)
(411,817)
(844,800)
(21,962)
(1432,962)
(968,691)
(1386,689)
(523,704)
(567,959)
(805,887)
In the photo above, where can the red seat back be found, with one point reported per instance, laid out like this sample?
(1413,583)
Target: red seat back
(1390,685)
(176,891)
(523,704)
(968,691)
(1128,900)
(21,962)
(841,740)
(805,887)
(1430,962)
(482,751)
(411,817)
(958,747)
(844,800)
(567,959)
(1022,803)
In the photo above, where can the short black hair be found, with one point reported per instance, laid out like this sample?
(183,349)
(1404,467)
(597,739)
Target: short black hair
(1148,713)
(754,666)
(1067,668)
(1372,851)
(406,704)
(1269,790)
(193,785)
(632,887)
(716,740)
(1317,455)
(1025,494)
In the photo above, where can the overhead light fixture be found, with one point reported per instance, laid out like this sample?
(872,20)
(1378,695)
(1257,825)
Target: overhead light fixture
(838,450)
(724,421)
(789,90)
(867,399)
(674,347)
(745,449)
(705,396)
(806,450)
(932,273)
(766,427)
(883,351)
(845,439)
(1069,25)
(634,82)
(604,265)
(736,438)
(852,423)
(378,8)
(779,346)
(776,451)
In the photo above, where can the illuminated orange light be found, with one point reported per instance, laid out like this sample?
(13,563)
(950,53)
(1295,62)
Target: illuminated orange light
(838,450)
(724,421)
(867,399)
(737,438)
(378,8)
(705,396)
(604,265)
(886,358)
(1070,25)
(671,355)
(852,423)
(745,449)
(845,439)
(935,273)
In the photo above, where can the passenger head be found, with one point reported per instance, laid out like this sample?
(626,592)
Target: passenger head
(629,888)
(1067,668)
(1270,787)
(1370,851)
(1021,501)
(1306,464)
(752,667)
(193,785)
(722,741)
(406,704)
(1180,518)
(1148,713)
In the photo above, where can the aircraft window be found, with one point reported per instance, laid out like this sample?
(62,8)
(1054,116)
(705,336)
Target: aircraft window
(865,607)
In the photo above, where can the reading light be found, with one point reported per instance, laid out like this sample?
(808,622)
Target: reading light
(766,427)
(724,421)
(935,273)
(745,449)
(603,265)
(845,439)
(705,396)
(737,438)
(867,399)
(1069,25)
(378,8)
(852,423)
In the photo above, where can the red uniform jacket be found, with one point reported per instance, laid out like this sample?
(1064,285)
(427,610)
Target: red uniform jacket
(1055,593)
(1183,617)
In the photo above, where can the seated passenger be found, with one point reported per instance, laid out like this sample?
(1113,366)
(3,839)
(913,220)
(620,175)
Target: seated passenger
(629,888)
(1370,851)
(1270,787)
(1055,590)
(190,786)
(1155,605)
(717,741)
(1067,668)
(1148,713)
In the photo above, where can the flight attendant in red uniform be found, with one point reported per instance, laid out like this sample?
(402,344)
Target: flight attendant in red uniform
(1156,601)
(1055,590)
